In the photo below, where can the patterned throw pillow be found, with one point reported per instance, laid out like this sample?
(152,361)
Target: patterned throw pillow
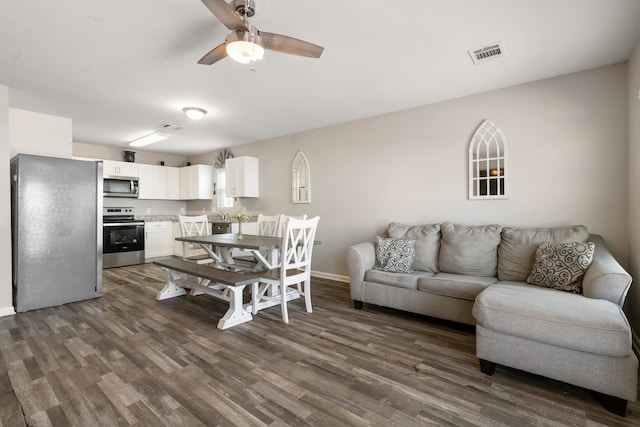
(561,266)
(395,255)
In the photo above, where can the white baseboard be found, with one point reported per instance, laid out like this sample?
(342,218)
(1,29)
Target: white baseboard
(7,311)
(330,276)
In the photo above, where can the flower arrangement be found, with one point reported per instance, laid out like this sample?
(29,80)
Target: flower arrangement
(241,215)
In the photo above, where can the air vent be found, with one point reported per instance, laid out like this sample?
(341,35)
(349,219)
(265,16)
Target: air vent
(168,127)
(485,53)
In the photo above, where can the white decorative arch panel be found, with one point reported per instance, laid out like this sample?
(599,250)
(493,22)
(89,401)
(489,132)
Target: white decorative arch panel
(301,179)
(489,163)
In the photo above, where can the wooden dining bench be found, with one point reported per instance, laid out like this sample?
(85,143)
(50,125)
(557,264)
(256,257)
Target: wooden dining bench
(222,284)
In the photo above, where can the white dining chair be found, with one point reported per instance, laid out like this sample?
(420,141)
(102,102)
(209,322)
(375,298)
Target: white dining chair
(283,222)
(294,270)
(268,225)
(194,226)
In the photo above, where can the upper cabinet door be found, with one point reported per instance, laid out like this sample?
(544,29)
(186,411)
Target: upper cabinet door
(115,168)
(196,182)
(243,175)
(173,183)
(153,181)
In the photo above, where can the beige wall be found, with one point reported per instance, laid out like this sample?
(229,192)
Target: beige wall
(110,153)
(39,134)
(6,303)
(568,142)
(633,300)
(140,206)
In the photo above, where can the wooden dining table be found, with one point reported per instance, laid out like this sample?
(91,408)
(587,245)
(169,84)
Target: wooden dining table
(265,250)
(220,246)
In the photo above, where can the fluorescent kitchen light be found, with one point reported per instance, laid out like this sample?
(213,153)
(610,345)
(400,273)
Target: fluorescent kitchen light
(149,139)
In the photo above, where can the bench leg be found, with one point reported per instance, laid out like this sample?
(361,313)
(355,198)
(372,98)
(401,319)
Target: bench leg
(358,304)
(615,405)
(236,314)
(170,289)
(487,367)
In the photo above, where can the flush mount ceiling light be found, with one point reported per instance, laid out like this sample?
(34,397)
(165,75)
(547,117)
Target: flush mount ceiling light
(194,113)
(149,139)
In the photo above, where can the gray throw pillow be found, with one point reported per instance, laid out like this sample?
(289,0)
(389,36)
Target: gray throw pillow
(562,266)
(395,255)
(427,243)
(517,250)
(469,250)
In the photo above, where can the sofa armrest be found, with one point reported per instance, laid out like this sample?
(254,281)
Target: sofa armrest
(360,258)
(605,278)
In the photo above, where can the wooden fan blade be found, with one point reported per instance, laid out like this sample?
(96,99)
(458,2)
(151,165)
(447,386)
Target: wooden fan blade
(226,14)
(215,55)
(290,45)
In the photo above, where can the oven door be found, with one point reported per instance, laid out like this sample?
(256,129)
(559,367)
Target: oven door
(123,237)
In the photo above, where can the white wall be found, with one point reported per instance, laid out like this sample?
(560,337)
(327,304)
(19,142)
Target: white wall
(633,299)
(6,296)
(568,142)
(39,134)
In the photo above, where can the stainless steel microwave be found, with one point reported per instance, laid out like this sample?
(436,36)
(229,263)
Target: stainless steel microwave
(120,186)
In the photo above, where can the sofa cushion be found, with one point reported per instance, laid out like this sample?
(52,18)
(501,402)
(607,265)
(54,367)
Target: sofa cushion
(395,255)
(517,250)
(398,280)
(469,250)
(561,266)
(427,243)
(553,317)
(455,285)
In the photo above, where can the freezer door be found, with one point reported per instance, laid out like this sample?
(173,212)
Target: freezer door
(56,231)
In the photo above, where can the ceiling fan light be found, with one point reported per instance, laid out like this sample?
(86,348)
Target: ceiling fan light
(194,113)
(244,47)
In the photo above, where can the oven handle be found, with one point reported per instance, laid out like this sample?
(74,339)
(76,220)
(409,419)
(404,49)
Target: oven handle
(120,224)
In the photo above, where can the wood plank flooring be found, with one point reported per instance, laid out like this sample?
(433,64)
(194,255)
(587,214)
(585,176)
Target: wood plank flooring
(126,359)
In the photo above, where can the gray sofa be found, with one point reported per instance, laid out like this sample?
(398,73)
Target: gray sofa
(478,275)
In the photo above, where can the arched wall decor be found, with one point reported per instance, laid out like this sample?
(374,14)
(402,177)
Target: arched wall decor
(489,163)
(301,179)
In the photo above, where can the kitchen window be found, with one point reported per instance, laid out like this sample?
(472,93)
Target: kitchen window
(221,191)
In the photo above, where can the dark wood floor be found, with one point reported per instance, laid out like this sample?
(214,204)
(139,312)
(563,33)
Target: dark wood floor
(127,359)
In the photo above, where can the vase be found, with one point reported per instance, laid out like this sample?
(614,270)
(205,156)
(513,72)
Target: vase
(239,230)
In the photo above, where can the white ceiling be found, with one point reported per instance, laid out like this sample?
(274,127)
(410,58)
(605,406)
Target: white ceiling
(121,68)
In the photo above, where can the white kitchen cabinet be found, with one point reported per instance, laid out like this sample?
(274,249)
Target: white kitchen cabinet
(247,228)
(173,183)
(115,168)
(153,182)
(196,182)
(243,175)
(177,246)
(158,239)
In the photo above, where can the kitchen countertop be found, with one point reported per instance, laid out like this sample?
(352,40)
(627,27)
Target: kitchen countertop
(213,218)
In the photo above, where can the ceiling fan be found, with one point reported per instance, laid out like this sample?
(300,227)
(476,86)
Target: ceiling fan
(246,43)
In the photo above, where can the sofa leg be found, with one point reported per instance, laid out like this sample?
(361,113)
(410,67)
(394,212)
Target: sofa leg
(487,367)
(358,304)
(615,405)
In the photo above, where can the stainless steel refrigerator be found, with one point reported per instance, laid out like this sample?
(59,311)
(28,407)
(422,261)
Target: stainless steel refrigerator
(56,231)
